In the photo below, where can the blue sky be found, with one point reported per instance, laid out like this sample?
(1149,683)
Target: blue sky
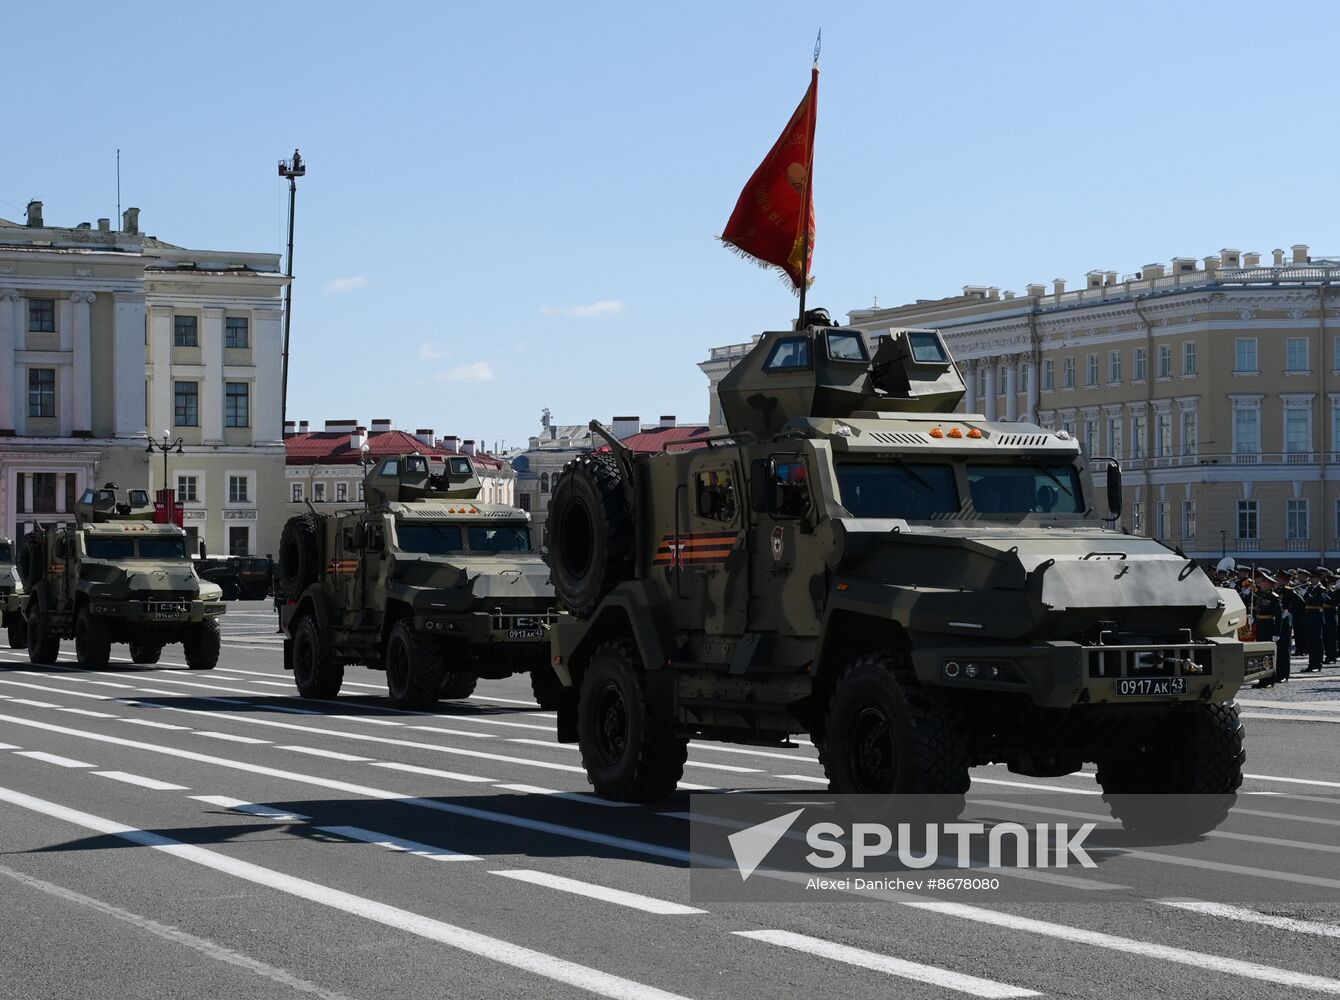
(514,205)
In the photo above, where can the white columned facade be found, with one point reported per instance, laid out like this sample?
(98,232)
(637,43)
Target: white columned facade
(160,346)
(82,374)
(266,410)
(990,391)
(9,376)
(211,388)
(970,387)
(1012,388)
(1034,377)
(128,394)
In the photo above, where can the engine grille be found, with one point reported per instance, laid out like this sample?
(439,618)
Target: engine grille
(1147,661)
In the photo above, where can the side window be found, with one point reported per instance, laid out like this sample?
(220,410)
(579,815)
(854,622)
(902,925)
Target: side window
(350,537)
(376,537)
(716,495)
(791,484)
(789,352)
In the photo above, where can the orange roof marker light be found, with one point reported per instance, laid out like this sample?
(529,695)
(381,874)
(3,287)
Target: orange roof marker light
(956,432)
(974,432)
(937,432)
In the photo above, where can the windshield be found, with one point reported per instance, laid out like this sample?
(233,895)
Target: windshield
(500,538)
(886,489)
(1039,488)
(136,548)
(430,539)
(6,555)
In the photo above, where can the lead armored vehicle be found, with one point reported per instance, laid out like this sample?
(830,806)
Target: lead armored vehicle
(116,577)
(920,590)
(11,598)
(426,582)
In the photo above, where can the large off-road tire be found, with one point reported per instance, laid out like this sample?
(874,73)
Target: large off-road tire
(416,668)
(458,684)
(885,734)
(202,645)
(1196,755)
(92,641)
(31,560)
(315,676)
(590,533)
(43,644)
(299,553)
(545,687)
(17,631)
(629,755)
(143,652)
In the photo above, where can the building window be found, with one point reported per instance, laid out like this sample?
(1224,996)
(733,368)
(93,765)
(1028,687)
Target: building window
(1189,445)
(1295,354)
(187,489)
(238,491)
(1246,431)
(1337,519)
(236,404)
(319,492)
(341,492)
(1140,359)
(1247,520)
(187,404)
(41,392)
(1049,374)
(1297,429)
(1137,517)
(1090,438)
(544,482)
(981,381)
(44,493)
(41,315)
(1091,370)
(239,541)
(1114,436)
(1161,509)
(185,331)
(1114,367)
(1068,374)
(360,492)
(1024,375)
(1188,520)
(523,501)
(1189,358)
(295,492)
(236,331)
(1296,521)
(1137,435)
(1162,435)
(1165,361)
(1245,355)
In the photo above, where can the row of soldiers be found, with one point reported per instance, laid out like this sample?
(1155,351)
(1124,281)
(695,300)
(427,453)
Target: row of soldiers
(1295,609)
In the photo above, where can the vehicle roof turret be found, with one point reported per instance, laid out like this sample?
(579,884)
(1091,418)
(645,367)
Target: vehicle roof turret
(408,478)
(827,371)
(102,506)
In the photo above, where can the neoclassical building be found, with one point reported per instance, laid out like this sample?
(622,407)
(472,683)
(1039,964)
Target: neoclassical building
(1214,381)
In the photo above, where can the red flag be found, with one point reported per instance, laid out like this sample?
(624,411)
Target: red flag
(773,221)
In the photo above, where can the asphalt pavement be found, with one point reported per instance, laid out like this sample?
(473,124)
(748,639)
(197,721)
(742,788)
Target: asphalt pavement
(171,833)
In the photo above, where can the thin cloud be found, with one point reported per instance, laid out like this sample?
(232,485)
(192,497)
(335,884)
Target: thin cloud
(352,283)
(596,310)
(427,352)
(475,371)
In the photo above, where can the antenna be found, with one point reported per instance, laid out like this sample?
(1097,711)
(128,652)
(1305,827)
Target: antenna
(292,169)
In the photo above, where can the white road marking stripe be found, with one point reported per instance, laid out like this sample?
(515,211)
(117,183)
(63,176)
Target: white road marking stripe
(1132,946)
(250,808)
(1294,781)
(454,732)
(687,786)
(34,704)
(1241,913)
(804,777)
(795,758)
(548,744)
(733,768)
(155,725)
(135,779)
(380,794)
(504,701)
(172,934)
(232,737)
(431,772)
(8,746)
(1329,720)
(475,721)
(1032,784)
(1295,706)
(89,712)
(51,758)
(900,967)
(369,720)
(332,754)
(69,693)
(571,796)
(472,942)
(647,904)
(398,843)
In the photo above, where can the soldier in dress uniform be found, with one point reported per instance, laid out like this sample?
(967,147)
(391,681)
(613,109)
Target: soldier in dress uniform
(1331,621)
(1300,584)
(1269,613)
(1292,606)
(1314,607)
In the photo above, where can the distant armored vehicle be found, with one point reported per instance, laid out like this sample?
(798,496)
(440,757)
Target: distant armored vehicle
(240,577)
(116,577)
(920,590)
(11,598)
(426,582)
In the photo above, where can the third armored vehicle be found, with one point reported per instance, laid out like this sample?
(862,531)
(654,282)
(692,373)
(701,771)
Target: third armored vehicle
(920,590)
(116,577)
(11,598)
(426,582)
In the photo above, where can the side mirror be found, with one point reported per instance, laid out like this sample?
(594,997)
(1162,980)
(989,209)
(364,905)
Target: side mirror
(1114,489)
(762,472)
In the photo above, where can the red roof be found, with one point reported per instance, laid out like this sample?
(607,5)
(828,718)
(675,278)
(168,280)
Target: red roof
(334,448)
(669,439)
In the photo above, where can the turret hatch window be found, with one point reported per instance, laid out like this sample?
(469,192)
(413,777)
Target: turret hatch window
(789,352)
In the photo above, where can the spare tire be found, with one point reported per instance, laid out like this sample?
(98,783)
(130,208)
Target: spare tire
(31,560)
(590,533)
(299,553)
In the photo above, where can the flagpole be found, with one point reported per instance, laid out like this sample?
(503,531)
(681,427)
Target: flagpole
(805,207)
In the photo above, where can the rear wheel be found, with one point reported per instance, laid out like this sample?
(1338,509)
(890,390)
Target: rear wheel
(545,687)
(458,684)
(92,642)
(145,652)
(202,646)
(416,668)
(17,631)
(629,755)
(315,677)
(43,644)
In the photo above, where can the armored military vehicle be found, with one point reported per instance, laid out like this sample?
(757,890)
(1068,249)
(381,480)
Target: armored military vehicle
(426,582)
(11,598)
(921,591)
(116,577)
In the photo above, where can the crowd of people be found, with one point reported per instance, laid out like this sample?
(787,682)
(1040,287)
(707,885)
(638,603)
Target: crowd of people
(1297,609)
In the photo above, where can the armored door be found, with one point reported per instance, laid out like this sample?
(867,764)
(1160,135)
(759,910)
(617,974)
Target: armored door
(786,581)
(709,558)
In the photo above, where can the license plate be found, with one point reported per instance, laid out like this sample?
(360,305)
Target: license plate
(1136,687)
(526,633)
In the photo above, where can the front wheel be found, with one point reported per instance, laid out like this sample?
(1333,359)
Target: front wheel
(17,631)
(544,686)
(629,754)
(145,652)
(314,675)
(416,669)
(202,646)
(92,642)
(43,644)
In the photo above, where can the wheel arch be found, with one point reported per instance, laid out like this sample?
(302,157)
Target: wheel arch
(849,633)
(624,614)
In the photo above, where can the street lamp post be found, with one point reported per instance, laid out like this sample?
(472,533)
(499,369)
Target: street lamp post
(1223,543)
(292,169)
(165,446)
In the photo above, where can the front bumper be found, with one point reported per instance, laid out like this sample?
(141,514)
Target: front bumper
(482,628)
(157,612)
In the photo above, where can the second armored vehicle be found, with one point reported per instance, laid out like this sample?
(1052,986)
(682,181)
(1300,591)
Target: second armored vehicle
(116,577)
(427,583)
(11,598)
(920,590)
